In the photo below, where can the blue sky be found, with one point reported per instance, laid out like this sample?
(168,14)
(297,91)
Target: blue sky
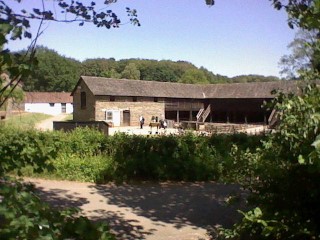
(233,37)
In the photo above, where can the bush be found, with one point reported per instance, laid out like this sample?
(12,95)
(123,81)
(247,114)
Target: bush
(83,168)
(284,174)
(19,148)
(22,214)
(87,155)
(83,141)
(188,157)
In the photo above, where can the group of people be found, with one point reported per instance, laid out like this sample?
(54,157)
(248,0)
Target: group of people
(160,124)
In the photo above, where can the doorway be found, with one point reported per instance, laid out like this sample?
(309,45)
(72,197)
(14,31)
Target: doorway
(126,118)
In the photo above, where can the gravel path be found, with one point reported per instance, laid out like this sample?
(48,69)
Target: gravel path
(47,125)
(151,211)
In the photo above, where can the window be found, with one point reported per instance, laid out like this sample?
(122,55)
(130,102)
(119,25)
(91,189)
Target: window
(112,98)
(134,99)
(155,99)
(63,107)
(51,104)
(83,100)
(109,116)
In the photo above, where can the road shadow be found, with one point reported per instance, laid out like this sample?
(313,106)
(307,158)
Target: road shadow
(181,204)
(60,198)
(122,228)
(196,205)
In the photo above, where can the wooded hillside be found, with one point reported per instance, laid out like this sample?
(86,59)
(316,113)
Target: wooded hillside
(55,72)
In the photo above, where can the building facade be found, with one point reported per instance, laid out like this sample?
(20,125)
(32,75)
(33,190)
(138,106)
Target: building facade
(120,102)
(52,103)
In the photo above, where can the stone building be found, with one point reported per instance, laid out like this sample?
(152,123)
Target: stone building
(120,102)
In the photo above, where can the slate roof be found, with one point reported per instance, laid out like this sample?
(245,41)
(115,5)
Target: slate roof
(124,87)
(250,90)
(48,97)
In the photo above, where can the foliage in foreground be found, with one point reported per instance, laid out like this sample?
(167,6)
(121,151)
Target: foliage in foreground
(87,155)
(284,174)
(24,216)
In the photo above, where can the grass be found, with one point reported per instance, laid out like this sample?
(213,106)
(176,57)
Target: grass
(69,117)
(25,120)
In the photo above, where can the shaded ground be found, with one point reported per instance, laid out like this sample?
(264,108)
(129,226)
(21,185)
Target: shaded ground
(151,211)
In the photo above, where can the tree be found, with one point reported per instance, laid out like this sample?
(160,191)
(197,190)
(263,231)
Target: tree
(194,76)
(301,13)
(14,97)
(283,175)
(98,67)
(253,78)
(305,14)
(163,71)
(131,72)
(111,74)
(214,78)
(301,57)
(16,25)
(53,73)
(22,213)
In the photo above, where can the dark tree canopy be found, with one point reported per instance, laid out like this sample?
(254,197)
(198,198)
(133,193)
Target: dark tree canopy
(53,72)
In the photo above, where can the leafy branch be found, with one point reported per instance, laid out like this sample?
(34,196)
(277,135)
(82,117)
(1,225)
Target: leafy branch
(17,26)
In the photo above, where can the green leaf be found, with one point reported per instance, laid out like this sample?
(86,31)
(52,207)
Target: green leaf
(5,28)
(301,160)
(257,212)
(316,143)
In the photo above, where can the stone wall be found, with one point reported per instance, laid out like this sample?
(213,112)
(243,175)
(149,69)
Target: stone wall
(87,114)
(144,106)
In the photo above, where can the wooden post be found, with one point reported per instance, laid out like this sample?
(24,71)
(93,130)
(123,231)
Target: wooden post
(178,120)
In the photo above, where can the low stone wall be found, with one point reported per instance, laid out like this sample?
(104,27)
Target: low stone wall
(230,128)
(70,125)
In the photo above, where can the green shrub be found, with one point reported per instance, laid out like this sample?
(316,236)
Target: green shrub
(19,148)
(87,155)
(284,174)
(83,168)
(22,214)
(83,141)
(187,157)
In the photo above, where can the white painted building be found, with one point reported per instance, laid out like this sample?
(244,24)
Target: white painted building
(52,103)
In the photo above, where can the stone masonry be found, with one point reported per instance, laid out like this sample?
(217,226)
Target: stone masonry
(143,106)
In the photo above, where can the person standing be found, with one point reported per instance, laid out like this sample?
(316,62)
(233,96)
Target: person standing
(141,120)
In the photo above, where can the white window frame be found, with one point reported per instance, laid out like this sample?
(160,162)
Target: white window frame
(109,116)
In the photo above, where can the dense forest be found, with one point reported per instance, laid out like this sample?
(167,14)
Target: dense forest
(55,72)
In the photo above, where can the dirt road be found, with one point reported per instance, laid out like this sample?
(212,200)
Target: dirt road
(151,211)
(48,123)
